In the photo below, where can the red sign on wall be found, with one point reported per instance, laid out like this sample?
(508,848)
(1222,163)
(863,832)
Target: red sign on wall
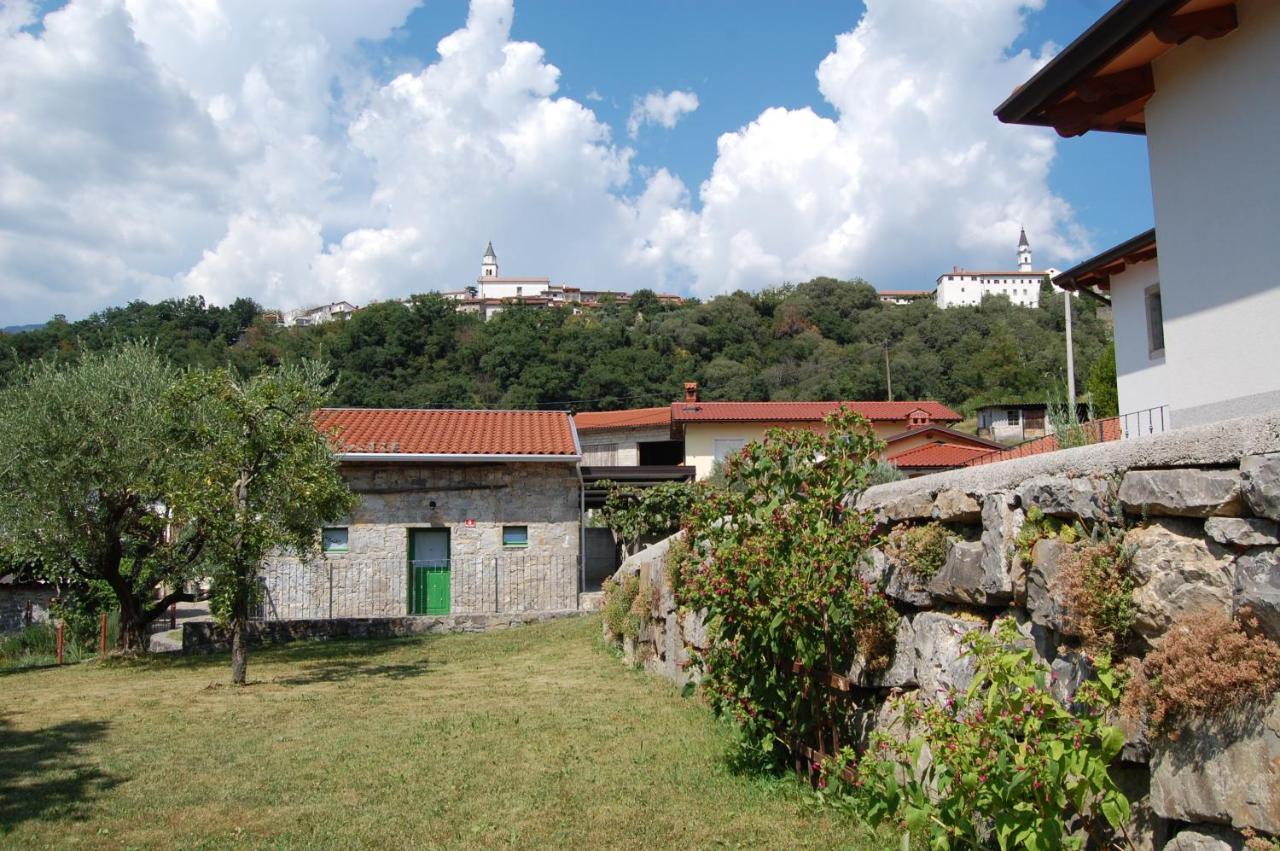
(470,523)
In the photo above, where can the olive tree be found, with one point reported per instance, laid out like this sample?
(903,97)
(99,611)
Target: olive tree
(256,477)
(84,477)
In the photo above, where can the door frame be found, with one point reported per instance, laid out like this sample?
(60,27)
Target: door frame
(448,557)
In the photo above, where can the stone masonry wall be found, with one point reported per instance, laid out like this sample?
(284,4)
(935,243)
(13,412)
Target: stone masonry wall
(17,604)
(1199,508)
(472,501)
(207,637)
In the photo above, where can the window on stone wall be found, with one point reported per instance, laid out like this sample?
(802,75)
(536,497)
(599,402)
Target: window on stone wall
(1011,416)
(334,540)
(515,536)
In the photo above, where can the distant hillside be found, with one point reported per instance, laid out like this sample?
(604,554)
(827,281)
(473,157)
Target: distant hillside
(18,329)
(824,339)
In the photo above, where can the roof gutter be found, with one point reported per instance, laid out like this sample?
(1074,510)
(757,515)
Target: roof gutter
(438,456)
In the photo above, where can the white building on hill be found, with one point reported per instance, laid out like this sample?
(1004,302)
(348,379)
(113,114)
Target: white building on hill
(492,292)
(334,312)
(968,287)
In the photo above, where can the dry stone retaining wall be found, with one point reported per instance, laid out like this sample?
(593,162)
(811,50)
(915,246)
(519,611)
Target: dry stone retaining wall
(1200,510)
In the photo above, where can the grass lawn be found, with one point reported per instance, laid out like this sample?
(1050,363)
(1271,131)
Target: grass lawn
(533,737)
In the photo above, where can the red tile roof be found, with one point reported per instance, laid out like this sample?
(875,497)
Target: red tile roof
(738,412)
(391,431)
(947,435)
(942,455)
(633,418)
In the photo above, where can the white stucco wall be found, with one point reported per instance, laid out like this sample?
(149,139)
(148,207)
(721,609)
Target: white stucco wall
(1142,380)
(700,438)
(512,287)
(1212,130)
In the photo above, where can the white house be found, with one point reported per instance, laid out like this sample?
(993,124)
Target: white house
(492,292)
(1196,331)
(969,287)
(334,312)
(1129,274)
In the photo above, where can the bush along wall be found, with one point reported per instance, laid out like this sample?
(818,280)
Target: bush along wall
(1086,649)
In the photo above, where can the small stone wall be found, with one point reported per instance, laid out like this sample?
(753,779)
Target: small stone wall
(23,605)
(1199,508)
(208,637)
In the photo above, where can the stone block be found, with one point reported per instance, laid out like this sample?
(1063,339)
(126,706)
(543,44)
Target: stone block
(693,626)
(1044,600)
(912,506)
(1257,587)
(1177,571)
(1261,475)
(964,578)
(875,568)
(1243,531)
(901,672)
(1183,492)
(1086,497)
(903,585)
(1067,672)
(1206,837)
(1225,771)
(956,506)
(941,660)
(1001,522)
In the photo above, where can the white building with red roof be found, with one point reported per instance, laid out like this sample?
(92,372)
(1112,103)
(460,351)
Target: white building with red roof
(1021,286)
(688,438)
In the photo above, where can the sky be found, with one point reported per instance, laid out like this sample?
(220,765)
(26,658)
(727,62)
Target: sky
(304,151)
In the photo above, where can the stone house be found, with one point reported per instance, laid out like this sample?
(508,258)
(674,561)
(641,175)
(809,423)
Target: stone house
(1195,320)
(460,512)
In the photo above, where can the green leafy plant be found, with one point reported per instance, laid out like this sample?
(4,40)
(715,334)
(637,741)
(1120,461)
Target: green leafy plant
(774,560)
(1206,665)
(1038,525)
(619,602)
(1096,583)
(921,549)
(637,513)
(1002,764)
(1064,419)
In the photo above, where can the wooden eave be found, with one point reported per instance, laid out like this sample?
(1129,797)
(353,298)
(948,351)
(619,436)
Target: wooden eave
(1094,275)
(1103,79)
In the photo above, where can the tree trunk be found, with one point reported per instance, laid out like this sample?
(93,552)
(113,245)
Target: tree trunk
(133,625)
(239,648)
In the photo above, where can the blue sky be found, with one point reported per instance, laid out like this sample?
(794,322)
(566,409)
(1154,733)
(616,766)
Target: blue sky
(300,151)
(743,56)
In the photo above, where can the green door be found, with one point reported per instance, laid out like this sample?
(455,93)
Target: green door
(429,576)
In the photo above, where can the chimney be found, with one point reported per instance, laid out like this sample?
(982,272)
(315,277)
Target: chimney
(691,391)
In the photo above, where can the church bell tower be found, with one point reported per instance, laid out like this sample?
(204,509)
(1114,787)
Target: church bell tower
(1024,252)
(489,265)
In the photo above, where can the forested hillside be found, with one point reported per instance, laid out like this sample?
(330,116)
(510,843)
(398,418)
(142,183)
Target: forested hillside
(823,339)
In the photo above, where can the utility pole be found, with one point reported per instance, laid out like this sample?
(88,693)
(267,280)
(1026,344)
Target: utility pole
(1071,361)
(888,376)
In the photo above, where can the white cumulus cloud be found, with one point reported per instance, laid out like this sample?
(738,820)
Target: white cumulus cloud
(152,148)
(662,108)
(910,176)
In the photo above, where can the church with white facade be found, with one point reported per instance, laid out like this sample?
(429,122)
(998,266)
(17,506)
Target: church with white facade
(968,287)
